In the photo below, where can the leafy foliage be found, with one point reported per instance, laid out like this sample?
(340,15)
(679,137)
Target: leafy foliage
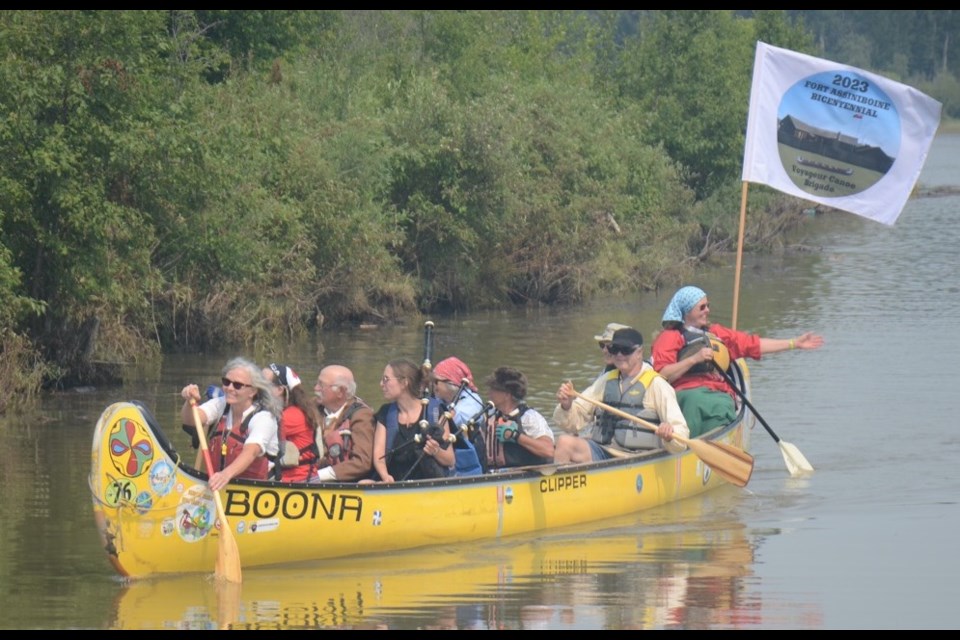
(184,179)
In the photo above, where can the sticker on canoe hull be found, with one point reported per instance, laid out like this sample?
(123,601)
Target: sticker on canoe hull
(195,514)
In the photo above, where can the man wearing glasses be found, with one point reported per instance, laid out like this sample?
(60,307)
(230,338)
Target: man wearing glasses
(347,432)
(604,339)
(690,349)
(633,387)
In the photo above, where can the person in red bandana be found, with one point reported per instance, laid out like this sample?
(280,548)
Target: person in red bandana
(453,384)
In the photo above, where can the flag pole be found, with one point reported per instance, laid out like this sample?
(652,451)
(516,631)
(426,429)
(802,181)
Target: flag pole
(736,280)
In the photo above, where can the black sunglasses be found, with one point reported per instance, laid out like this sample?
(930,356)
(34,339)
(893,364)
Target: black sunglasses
(615,350)
(227,382)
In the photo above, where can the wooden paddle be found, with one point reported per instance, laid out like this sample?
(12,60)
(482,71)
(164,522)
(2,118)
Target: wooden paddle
(732,464)
(796,463)
(228,555)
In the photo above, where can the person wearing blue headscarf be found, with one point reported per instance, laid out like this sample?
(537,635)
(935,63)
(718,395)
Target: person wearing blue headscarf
(691,348)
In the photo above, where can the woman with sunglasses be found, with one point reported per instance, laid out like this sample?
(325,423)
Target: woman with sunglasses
(633,387)
(298,425)
(402,448)
(691,348)
(245,420)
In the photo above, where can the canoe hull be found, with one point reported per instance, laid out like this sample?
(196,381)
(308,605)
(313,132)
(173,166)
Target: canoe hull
(156,516)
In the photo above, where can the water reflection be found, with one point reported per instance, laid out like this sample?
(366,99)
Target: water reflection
(672,569)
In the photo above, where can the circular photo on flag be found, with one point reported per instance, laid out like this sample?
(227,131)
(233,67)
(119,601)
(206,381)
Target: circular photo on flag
(838,133)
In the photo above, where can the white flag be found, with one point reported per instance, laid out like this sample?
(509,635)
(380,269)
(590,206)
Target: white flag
(834,134)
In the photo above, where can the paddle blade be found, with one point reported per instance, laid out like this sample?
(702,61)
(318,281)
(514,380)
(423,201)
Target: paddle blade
(796,463)
(228,554)
(228,604)
(732,450)
(732,464)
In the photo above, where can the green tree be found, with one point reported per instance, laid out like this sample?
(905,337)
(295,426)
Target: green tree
(257,36)
(689,71)
(78,80)
(775,28)
(187,179)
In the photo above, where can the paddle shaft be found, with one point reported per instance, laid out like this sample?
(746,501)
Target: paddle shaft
(629,416)
(202,437)
(743,397)
(228,561)
(795,461)
(733,464)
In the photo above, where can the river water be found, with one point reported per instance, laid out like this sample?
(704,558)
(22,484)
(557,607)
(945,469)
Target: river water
(863,543)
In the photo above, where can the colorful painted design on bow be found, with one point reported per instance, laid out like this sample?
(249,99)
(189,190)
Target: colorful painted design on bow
(130,448)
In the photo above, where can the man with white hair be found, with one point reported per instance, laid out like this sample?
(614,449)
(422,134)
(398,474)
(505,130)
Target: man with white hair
(347,438)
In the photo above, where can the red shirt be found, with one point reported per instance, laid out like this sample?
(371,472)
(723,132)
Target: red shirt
(294,427)
(670,341)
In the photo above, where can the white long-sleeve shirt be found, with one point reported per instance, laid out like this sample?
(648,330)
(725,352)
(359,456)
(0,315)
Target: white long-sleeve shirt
(660,397)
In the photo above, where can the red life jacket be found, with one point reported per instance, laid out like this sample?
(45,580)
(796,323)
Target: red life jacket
(224,451)
(337,439)
(509,454)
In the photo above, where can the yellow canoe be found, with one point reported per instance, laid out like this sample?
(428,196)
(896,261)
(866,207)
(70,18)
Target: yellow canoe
(156,516)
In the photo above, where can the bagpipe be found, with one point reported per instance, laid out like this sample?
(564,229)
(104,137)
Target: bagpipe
(436,422)
(474,434)
(437,430)
(473,427)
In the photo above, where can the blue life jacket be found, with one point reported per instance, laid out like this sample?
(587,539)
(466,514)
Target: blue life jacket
(467,459)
